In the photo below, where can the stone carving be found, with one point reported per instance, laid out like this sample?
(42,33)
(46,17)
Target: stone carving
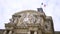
(29,18)
(48,26)
(30,22)
(15,19)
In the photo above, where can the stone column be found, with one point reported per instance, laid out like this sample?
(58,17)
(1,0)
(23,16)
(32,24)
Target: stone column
(28,32)
(5,32)
(10,32)
(35,32)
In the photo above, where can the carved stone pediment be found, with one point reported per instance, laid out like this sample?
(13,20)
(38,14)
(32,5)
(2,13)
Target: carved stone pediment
(30,22)
(27,17)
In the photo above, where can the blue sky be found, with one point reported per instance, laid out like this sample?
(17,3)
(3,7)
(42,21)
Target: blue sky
(9,7)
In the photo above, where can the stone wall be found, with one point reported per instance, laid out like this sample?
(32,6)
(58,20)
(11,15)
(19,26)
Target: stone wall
(2,30)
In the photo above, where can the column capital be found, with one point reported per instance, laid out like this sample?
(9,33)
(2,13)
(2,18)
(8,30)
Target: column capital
(35,32)
(5,32)
(10,32)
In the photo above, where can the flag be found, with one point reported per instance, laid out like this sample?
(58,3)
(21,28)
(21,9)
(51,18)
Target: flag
(44,5)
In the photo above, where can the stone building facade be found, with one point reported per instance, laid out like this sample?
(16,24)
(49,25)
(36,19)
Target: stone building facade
(30,22)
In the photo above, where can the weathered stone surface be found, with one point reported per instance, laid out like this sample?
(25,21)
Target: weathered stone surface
(30,22)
